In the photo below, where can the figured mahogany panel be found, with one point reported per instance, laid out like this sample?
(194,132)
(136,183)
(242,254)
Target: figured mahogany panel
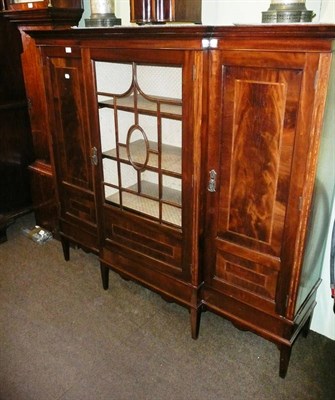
(70,137)
(258,122)
(71,132)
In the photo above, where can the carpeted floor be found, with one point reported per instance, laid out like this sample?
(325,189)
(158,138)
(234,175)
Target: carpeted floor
(63,337)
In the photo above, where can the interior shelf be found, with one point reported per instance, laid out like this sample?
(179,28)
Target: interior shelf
(170,155)
(151,191)
(147,202)
(169,108)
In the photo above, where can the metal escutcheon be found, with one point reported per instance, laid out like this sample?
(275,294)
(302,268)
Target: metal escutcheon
(94,156)
(212,181)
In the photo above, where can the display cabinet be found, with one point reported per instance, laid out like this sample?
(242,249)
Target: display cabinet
(192,153)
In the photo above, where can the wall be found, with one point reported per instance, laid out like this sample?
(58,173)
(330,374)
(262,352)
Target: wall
(227,12)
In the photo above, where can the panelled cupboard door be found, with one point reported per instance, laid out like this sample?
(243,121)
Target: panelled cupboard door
(70,139)
(257,151)
(147,144)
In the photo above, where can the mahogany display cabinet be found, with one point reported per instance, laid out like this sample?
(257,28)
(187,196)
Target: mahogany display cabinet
(187,158)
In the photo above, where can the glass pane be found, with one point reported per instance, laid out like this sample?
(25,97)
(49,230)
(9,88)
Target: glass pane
(115,78)
(160,81)
(112,194)
(137,147)
(141,204)
(150,184)
(106,121)
(129,176)
(172,190)
(149,125)
(110,172)
(171,214)
(172,132)
(140,121)
(171,158)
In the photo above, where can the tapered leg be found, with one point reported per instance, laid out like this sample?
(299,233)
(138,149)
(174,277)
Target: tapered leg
(104,276)
(285,354)
(66,248)
(195,322)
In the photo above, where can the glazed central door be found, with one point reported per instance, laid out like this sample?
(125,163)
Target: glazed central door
(145,162)
(253,197)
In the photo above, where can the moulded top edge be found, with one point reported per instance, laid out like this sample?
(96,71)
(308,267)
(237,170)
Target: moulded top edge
(303,30)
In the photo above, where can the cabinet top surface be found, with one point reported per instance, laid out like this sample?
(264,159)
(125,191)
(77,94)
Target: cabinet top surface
(175,30)
(291,37)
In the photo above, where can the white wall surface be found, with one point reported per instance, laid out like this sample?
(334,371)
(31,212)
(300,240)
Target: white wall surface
(227,12)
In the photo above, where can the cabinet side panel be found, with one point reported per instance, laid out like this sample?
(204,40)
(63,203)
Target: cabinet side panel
(323,197)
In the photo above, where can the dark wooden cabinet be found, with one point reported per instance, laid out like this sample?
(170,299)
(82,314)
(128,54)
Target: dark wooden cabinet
(24,17)
(15,139)
(187,158)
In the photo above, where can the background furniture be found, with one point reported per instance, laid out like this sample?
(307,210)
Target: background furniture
(15,139)
(24,17)
(162,11)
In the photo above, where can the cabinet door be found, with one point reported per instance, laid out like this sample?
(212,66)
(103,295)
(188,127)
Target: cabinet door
(258,148)
(71,144)
(146,169)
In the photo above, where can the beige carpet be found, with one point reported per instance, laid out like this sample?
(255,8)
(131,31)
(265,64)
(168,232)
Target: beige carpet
(62,337)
